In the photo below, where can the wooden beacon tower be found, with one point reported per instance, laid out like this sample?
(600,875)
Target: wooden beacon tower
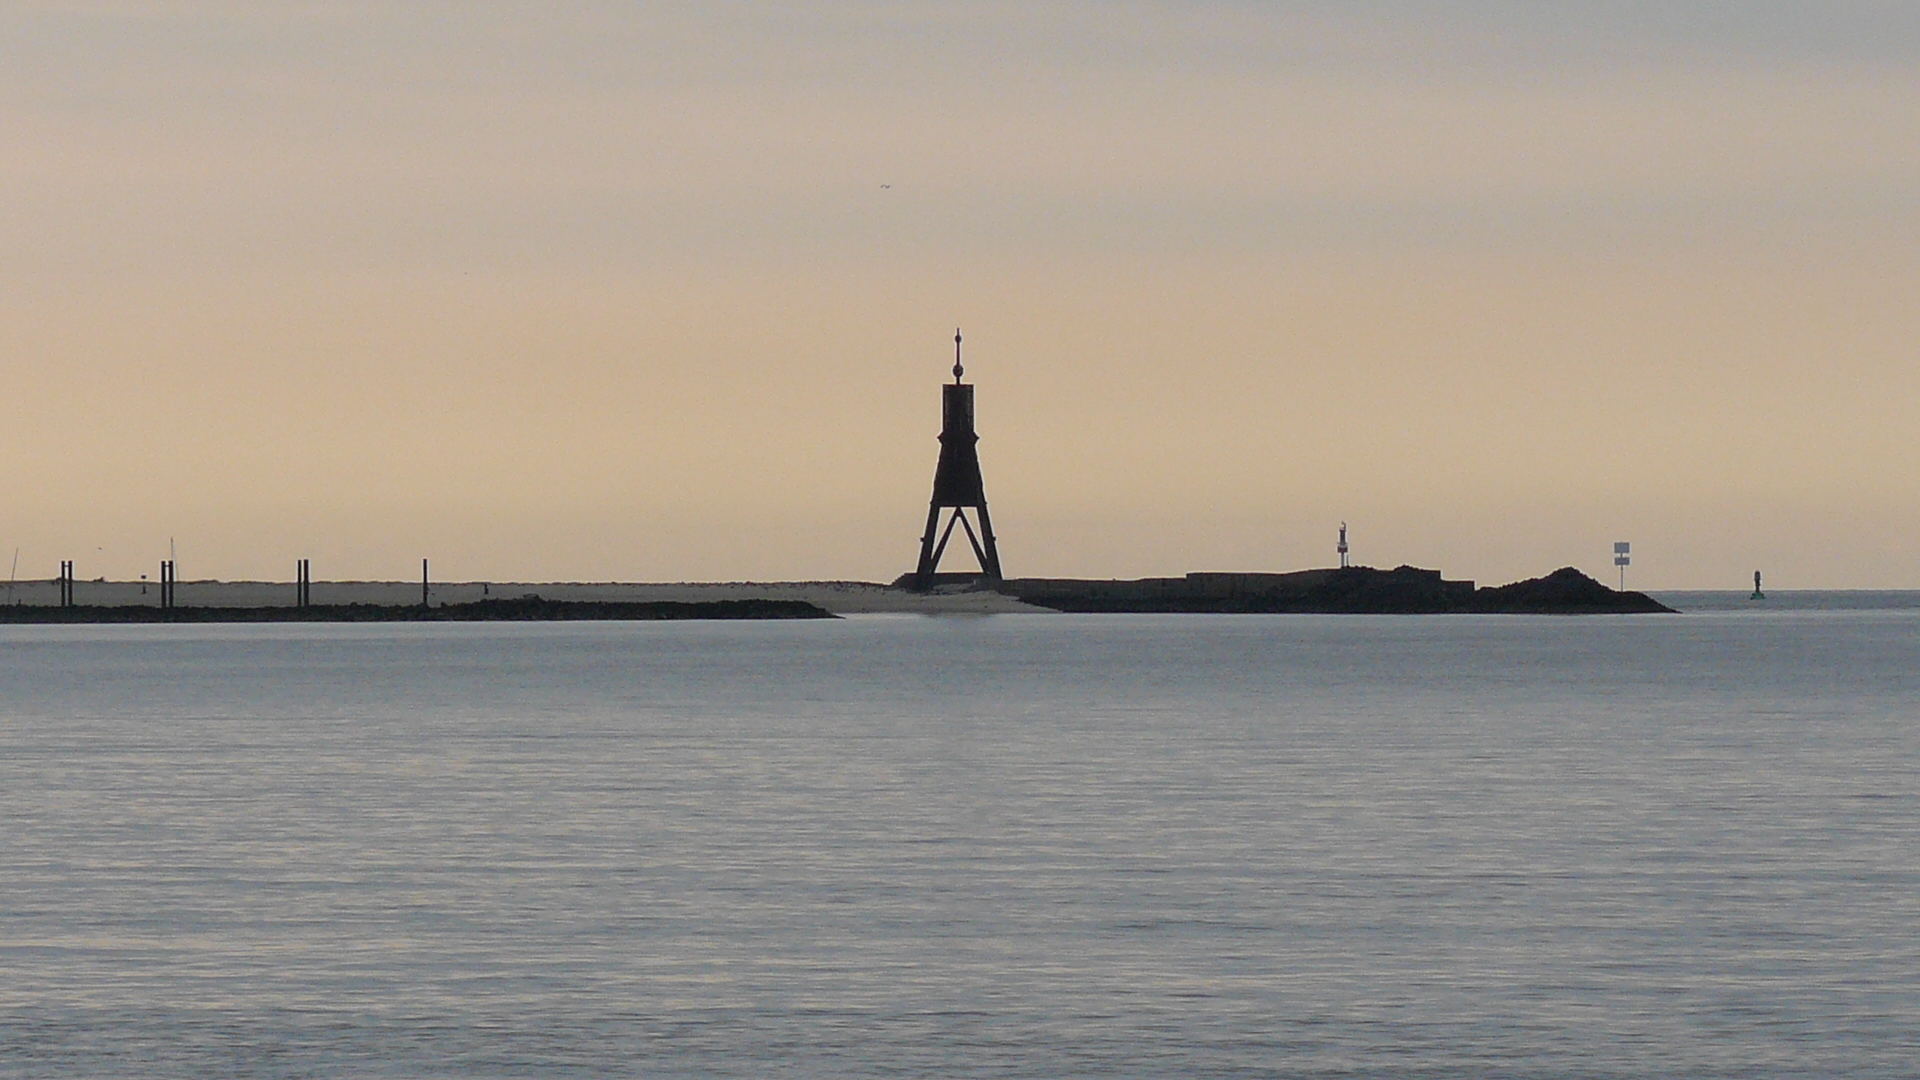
(957,486)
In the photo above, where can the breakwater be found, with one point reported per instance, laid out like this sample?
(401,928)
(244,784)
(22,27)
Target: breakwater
(521,609)
(1356,590)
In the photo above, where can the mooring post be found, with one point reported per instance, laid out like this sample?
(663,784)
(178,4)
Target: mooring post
(166,583)
(423,583)
(66,582)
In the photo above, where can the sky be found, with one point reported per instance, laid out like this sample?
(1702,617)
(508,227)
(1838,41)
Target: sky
(625,291)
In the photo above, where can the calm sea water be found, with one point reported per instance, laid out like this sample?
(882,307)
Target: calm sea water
(1018,846)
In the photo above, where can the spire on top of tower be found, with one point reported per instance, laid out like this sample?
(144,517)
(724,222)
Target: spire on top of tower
(957,369)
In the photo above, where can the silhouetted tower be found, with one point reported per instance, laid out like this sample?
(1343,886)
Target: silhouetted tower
(957,485)
(1341,548)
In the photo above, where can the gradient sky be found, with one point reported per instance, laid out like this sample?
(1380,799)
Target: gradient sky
(620,291)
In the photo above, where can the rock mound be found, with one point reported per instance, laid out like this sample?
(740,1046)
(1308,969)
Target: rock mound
(1566,591)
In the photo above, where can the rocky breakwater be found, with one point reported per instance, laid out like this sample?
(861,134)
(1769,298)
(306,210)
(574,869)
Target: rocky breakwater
(1566,591)
(1356,590)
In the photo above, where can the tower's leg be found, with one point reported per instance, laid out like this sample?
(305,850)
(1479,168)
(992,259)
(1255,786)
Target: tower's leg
(990,562)
(923,577)
(946,534)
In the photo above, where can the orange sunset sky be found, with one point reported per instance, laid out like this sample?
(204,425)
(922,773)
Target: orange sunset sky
(600,290)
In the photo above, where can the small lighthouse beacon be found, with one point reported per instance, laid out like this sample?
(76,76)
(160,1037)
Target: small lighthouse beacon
(1341,548)
(957,485)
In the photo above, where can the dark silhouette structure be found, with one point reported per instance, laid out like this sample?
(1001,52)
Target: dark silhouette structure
(957,485)
(166,583)
(1354,590)
(302,584)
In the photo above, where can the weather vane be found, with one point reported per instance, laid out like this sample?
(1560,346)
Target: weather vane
(957,369)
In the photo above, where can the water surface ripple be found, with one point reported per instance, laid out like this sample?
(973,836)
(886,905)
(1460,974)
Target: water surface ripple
(1013,846)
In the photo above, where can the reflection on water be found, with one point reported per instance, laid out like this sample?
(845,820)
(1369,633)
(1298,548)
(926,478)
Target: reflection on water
(1032,846)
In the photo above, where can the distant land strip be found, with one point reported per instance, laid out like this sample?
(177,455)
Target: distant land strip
(522,609)
(1404,590)
(1355,590)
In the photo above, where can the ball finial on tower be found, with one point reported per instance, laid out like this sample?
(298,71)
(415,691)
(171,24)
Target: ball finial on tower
(957,369)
